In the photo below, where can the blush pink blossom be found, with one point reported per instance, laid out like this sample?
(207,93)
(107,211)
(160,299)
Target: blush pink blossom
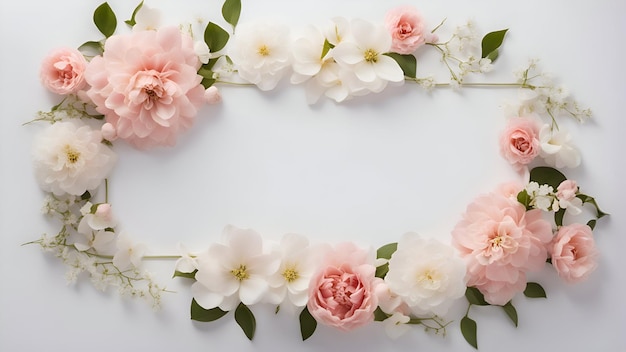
(406,26)
(567,190)
(574,252)
(342,293)
(519,142)
(146,84)
(63,71)
(500,241)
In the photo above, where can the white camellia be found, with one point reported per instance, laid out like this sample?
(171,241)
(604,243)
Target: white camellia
(427,274)
(556,149)
(69,157)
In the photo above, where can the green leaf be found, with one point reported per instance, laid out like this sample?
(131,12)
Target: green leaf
(511,312)
(327,46)
(591,224)
(534,290)
(246,320)
(545,175)
(231,10)
(207,82)
(379,315)
(524,198)
(381,271)
(408,63)
(308,324)
(491,43)
(86,196)
(205,315)
(558,217)
(215,37)
(131,22)
(191,275)
(474,296)
(104,18)
(387,250)
(587,199)
(94,46)
(468,329)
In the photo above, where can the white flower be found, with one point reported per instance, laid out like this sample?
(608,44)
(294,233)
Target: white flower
(541,196)
(128,253)
(261,53)
(186,263)
(556,150)
(70,158)
(202,50)
(147,18)
(307,53)
(388,301)
(100,219)
(233,271)
(297,266)
(98,240)
(364,55)
(427,274)
(396,325)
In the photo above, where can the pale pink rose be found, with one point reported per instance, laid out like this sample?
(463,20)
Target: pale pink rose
(63,70)
(519,142)
(146,84)
(567,190)
(342,294)
(406,26)
(212,95)
(510,189)
(574,252)
(500,241)
(108,132)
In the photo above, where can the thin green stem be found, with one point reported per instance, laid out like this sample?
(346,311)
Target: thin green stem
(106,190)
(235,83)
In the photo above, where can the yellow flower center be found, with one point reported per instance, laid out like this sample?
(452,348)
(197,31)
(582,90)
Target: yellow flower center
(263,50)
(370,56)
(291,274)
(240,273)
(71,154)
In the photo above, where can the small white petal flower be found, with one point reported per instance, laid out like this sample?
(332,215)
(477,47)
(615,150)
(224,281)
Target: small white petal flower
(202,50)
(98,240)
(147,18)
(186,263)
(128,253)
(396,325)
(556,149)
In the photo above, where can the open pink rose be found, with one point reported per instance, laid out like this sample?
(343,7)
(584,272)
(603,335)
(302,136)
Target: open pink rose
(406,27)
(500,241)
(146,84)
(62,71)
(342,294)
(574,252)
(567,190)
(519,142)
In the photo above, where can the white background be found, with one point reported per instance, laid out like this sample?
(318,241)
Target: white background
(367,171)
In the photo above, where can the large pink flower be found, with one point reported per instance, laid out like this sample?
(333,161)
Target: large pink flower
(500,241)
(519,142)
(62,71)
(574,252)
(342,294)
(406,26)
(147,86)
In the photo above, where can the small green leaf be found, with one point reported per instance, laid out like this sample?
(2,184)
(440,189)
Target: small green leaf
(468,329)
(387,250)
(524,198)
(93,46)
(511,312)
(587,199)
(205,315)
(474,296)
(207,82)
(215,37)
(131,22)
(86,196)
(308,324)
(327,46)
(558,217)
(534,290)
(591,223)
(491,42)
(191,275)
(379,315)
(104,18)
(246,320)
(381,271)
(231,10)
(408,63)
(545,175)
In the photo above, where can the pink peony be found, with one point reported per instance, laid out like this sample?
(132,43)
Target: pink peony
(342,293)
(146,84)
(62,71)
(519,142)
(574,252)
(406,27)
(500,241)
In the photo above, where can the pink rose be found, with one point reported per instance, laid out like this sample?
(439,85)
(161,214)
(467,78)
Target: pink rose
(406,27)
(500,241)
(62,71)
(212,95)
(519,142)
(146,84)
(574,252)
(567,190)
(342,294)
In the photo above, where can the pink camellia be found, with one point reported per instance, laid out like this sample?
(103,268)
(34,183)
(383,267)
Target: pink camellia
(146,84)
(406,26)
(62,71)
(342,293)
(500,241)
(519,142)
(574,252)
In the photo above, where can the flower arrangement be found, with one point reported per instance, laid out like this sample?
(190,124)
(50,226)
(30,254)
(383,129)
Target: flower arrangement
(146,86)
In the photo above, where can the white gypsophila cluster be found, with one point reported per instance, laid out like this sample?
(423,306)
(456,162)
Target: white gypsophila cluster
(69,157)
(545,198)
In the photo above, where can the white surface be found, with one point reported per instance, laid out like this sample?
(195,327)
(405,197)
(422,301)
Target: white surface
(367,170)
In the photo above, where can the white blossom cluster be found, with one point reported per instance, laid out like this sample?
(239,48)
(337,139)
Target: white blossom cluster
(545,198)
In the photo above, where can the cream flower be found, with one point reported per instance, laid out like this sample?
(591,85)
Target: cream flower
(261,53)
(146,19)
(427,274)
(233,271)
(128,253)
(556,149)
(70,158)
(396,325)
